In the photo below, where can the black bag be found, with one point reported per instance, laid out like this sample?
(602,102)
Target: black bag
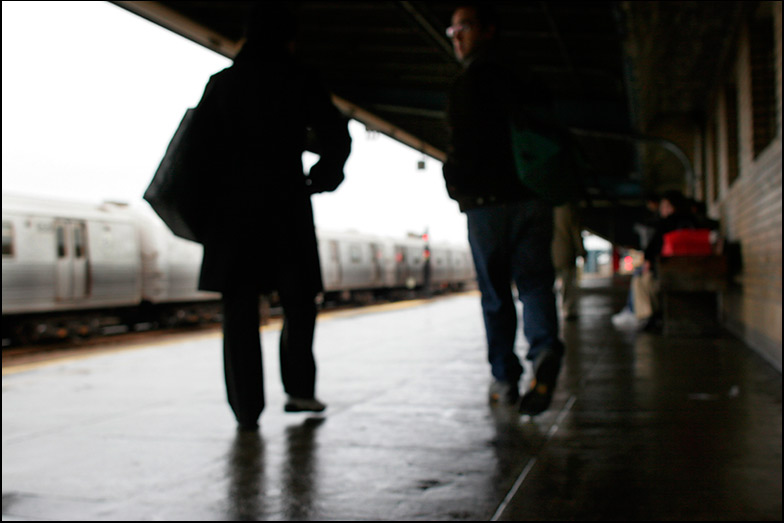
(179,191)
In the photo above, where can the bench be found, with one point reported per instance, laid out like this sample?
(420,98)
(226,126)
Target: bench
(692,279)
(691,287)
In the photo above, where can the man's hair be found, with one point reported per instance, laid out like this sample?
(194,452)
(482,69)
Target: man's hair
(677,200)
(271,23)
(486,15)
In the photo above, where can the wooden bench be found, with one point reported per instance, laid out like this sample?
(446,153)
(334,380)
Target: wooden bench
(691,289)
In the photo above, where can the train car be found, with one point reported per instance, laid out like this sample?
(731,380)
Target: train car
(353,262)
(60,256)
(451,267)
(170,264)
(411,257)
(78,269)
(365,266)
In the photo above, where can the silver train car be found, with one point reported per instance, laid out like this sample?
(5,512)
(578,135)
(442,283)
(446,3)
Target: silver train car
(358,265)
(77,269)
(80,269)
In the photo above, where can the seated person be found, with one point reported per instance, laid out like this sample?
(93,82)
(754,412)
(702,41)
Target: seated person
(675,214)
(645,229)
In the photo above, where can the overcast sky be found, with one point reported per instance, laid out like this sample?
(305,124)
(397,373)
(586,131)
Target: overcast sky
(92,95)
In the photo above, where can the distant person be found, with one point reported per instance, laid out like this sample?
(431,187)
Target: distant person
(509,228)
(675,214)
(645,228)
(700,212)
(260,235)
(567,247)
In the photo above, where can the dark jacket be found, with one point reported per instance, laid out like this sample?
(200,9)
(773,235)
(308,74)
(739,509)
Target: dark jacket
(674,222)
(260,232)
(480,168)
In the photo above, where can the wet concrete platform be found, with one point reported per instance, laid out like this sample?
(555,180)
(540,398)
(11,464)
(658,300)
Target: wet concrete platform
(642,428)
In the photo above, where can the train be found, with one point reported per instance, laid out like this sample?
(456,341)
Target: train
(75,269)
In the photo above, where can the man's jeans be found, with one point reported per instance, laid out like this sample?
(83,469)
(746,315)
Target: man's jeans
(511,243)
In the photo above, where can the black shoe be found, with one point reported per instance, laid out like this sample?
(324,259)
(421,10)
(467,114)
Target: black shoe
(248,426)
(503,392)
(538,398)
(303,405)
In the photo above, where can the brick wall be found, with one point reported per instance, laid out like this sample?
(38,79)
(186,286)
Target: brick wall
(750,206)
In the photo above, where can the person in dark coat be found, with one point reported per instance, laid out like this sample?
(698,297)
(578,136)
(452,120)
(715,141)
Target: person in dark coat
(259,234)
(675,214)
(510,229)
(644,289)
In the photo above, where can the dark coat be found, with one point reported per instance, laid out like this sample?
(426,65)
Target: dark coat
(259,231)
(677,221)
(480,167)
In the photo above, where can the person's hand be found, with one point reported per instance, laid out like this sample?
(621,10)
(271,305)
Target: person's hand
(323,178)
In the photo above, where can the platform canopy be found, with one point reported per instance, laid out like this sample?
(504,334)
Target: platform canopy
(614,68)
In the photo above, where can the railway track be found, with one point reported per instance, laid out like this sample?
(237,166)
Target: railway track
(58,349)
(15,356)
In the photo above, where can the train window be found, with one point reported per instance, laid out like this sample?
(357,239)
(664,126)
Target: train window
(8,239)
(355,252)
(61,249)
(79,241)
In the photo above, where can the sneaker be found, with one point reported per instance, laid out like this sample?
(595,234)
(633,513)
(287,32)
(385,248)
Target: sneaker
(303,405)
(626,319)
(546,370)
(503,391)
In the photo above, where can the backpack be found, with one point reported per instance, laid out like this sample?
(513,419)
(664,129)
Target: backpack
(547,158)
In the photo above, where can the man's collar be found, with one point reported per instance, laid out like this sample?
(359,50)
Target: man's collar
(485,52)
